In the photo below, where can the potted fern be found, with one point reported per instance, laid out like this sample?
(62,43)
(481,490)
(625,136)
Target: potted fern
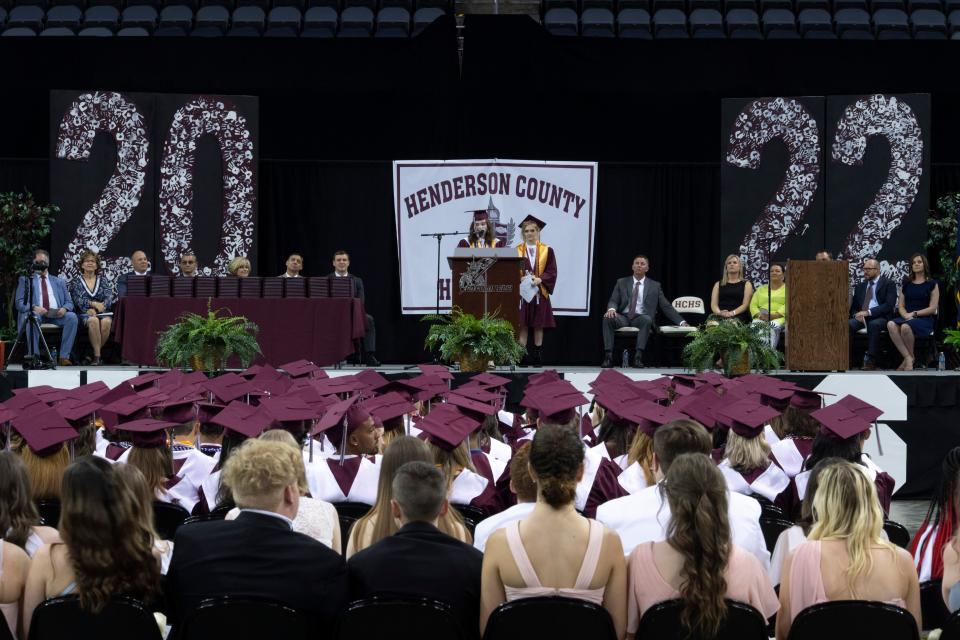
(472,341)
(739,347)
(205,342)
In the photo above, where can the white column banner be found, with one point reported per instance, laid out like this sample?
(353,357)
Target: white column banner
(437,196)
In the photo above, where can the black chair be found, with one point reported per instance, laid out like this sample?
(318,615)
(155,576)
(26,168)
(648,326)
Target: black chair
(835,620)
(470,513)
(204,517)
(932,607)
(167,518)
(550,617)
(768,509)
(951,628)
(743,622)
(230,617)
(897,533)
(5,633)
(49,509)
(420,618)
(772,528)
(348,513)
(122,619)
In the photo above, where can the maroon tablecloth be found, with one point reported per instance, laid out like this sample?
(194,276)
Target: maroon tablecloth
(321,330)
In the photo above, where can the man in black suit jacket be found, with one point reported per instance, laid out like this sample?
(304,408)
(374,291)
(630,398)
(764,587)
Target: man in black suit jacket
(257,555)
(649,296)
(341,267)
(141,267)
(873,303)
(420,561)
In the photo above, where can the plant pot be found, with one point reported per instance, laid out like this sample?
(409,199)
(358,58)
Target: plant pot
(471,363)
(741,366)
(197,361)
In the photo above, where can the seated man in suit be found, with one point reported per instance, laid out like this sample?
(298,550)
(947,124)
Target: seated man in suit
(420,561)
(294,266)
(141,267)
(341,266)
(634,303)
(188,264)
(51,303)
(873,304)
(258,555)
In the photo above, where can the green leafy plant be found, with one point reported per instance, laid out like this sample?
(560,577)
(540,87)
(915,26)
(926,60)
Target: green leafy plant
(24,226)
(730,341)
(952,336)
(205,342)
(942,238)
(464,337)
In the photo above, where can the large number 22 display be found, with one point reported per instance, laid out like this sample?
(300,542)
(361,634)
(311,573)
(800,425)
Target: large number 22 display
(167,224)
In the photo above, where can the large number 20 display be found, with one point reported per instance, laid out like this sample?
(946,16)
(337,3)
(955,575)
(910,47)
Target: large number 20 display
(171,215)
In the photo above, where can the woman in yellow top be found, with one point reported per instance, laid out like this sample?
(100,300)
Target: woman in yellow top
(777,313)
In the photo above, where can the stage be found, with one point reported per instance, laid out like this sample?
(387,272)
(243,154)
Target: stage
(920,423)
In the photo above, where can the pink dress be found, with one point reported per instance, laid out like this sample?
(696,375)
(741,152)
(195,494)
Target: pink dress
(532,587)
(746,582)
(806,580)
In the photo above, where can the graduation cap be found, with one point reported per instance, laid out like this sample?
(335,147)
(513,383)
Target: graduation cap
(77,411)
(147,433)
(490,380)
(543,377)
(555,401)
(839,420)
(143,380)
(650,415)
(45,431)
(535,220)
(228,387)
(479,394)
(334,415)
(128,408)
(701,407)
(478,410)
(207,411)
(614,398)
(372,379)
(92,390)
(243,419)
(23,399)
(808,399)
(400,386)
(388,407)
(712,378)
(437,370)
(609,377)
(179,410)
(863,409)
(300,368)
(251,371)
(122,390)
(428,386)
(47,394)
(338,385)
(447,427)
(479,215)
(289,411)
(747,417)
(771,391)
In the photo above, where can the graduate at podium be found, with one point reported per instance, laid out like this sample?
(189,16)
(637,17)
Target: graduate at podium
(482,233)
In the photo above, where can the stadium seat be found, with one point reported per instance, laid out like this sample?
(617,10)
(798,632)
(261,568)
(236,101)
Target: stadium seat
(244,31)
(64,16)
(914,5)
(170,32)
(263,4)
(934,612)
(819,35)
(931,20)
(207,31)
(551,617)
(132,32)
(284,17)
(873,620)
(320,22)
(839,5)
(596,4)
(766,5)
(139,16)
(814,20)
(236,617)
(667,4)
(3,16)
(249,16)
(672,33)
(742,622)
(930,35)
(953,21)
(876,5)
(672,20)
(424,17)
(63,617)
(716,5)
(335,4)
(710,34)
(783,34)
(742,20)
(57,32)
(24,3)
(851,20)
(376,618)
(561,22)
(558,4)
(633,4)
(740,4)
(356,22)
(633,23)
(176,15)
(403,4)
(116,4)
(897,533)
(705,19)
(228,4)
(813,4)
(19,31)
(885,20)
(101,16)
(746,34)
(96,32)
(597,23)
(213,16)
(393,22)
(857,35)
(26,16)
(778,19)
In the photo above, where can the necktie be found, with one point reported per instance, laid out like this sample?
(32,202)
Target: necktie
(632,313)
(44,296)
(867,297)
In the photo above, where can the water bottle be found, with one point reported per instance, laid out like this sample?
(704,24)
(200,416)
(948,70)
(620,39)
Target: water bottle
(53,355)
(865,360)
(625,361)
(941,362)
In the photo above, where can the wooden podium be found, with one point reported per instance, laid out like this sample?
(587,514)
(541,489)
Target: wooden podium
(818,335)
(487,281)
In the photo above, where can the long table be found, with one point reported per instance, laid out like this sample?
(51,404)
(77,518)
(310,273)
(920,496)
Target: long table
(321,330)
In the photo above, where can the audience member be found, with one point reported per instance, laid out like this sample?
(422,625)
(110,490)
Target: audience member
(918,305)
(873,304)
(645,516)
(141,267)
(844,557)
(50,303)
(731,296)
(482,232)
(774,296)
(540,264)
(294,266)
(614,439)
(93,298)
(698,562)
(564,554)
(796,430)
(929,545)
(341,269)
(521,484)
(92,520)
(639,472)
(188,264)
(258,554)
(14,567)
(950,589)
(136,492)
(239,267)
(45,469)
(152,455)
(419,560)
(823,256)
(634,303)
(746,465)
(18,513)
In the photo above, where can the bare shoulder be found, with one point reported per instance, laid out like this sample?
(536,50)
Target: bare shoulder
(611,541)
(47,534)
(16,556)
(496,543)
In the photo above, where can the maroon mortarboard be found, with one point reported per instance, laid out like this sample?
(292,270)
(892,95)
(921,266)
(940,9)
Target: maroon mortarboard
(178,410)
(267,372)
(437,370)
(650,389)
(207,411)
(334,415)
(269,386)
(313,399)
(771,391)
(534,219)
(480,214)
(6,415)
(143,380)
(688,380)
(490,380)
(807,399)
(122,390)
(23,399)
(556,401)
(45,430)
(147,433)
(863,409)
(338,385)
(609,377)
(480,394)
(243,419)
(91,391)
(228,387)
(446,426)
(747,417)
(427,386)
(127,408)
(373,380)
(389,406)
(542,378)
(614,398)
(701,407)
(251,371)
(299,368)
(650,415)
(840,421)
(400,386)
(49,395)
(471,407)
(77,411)
(289,409)
(711,377)
(170,380)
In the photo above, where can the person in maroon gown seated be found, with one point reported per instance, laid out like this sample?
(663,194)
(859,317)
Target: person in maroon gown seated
(541,265)
(482,233)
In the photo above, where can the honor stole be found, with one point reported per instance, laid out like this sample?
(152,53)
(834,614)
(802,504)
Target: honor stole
(541,263)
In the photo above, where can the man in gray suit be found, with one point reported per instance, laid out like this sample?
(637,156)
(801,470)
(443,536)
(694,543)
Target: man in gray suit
(634,303)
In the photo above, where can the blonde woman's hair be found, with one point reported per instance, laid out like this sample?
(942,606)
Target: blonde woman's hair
(723,276)
(258,472)
(747,454)
(845,507)
(45,472)
(285,437)
(641,450)
(236,264)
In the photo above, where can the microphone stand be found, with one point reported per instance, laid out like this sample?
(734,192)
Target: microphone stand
(439,236)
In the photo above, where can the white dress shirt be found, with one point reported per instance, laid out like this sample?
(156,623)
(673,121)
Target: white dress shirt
(485,528)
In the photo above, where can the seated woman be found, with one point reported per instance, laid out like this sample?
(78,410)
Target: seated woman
(746,465)
(136,492)
(378,523)
(776,315)
(239,267)
(91,520)
(919,301)
(731,296)
(555,551)
(844,557)
(639,472)
(152,455)
(92,295)
(929,545)
(19,517)
(698,562)
(615,439)
(14,566)
(796,430)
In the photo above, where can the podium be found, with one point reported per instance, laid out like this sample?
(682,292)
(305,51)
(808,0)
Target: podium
(818,335)
(487,281)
